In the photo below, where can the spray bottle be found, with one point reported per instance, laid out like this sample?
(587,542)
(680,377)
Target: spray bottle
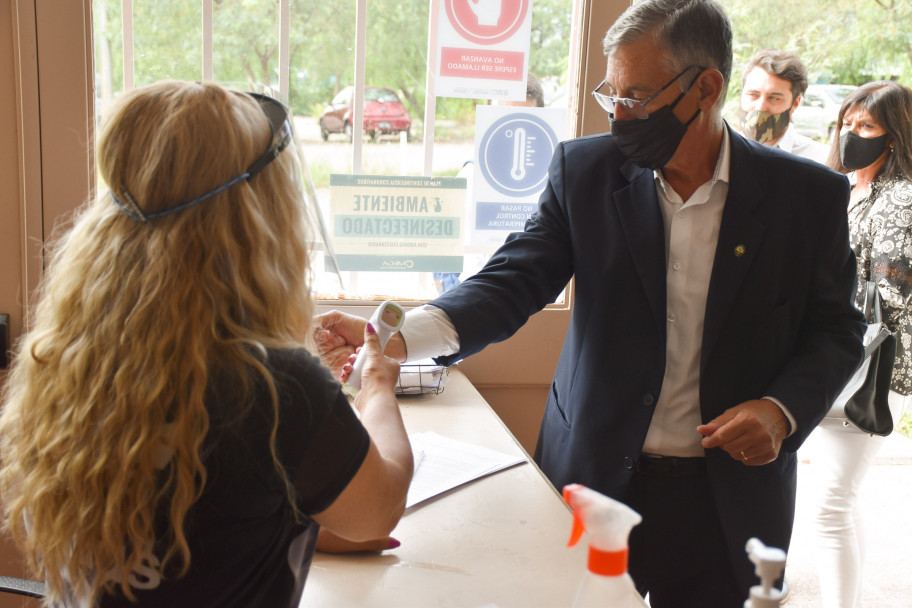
(609,523)
(769,563)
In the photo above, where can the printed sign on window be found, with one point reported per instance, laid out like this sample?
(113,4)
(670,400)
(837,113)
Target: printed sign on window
(513,149)
(397,223)
(483,48)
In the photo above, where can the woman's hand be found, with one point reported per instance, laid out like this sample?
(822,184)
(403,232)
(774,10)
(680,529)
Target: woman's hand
(379,373)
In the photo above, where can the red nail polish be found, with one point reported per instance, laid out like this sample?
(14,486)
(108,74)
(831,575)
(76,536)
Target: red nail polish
(393,543)
(370,328)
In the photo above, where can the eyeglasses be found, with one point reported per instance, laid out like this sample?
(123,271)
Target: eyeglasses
(634,106)
(280,126)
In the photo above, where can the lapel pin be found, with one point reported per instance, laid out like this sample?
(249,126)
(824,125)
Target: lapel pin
(739,251)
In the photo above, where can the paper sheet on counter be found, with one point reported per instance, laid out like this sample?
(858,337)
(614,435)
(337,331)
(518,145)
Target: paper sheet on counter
(442,464)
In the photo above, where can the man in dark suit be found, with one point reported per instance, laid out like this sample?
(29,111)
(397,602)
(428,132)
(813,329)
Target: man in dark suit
(712,323)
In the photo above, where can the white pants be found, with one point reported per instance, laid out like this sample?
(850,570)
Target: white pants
(840,458)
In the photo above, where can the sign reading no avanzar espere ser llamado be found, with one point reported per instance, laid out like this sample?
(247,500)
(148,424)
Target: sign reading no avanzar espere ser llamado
(397,223)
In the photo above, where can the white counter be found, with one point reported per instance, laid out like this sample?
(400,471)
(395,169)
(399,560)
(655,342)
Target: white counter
(498,541)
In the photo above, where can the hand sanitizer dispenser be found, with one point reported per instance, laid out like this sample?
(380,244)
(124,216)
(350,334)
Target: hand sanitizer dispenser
(769,562)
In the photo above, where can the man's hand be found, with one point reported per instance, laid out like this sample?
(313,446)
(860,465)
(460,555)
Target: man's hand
(336,336)
(751,432)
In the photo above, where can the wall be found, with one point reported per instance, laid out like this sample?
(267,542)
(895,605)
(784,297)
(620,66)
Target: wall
(46,137)
(10,238)
(11,222)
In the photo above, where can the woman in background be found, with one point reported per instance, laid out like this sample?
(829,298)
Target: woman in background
(875,148)
(165,438)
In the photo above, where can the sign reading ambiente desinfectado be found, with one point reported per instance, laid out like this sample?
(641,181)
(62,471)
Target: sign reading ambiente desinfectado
(397,223)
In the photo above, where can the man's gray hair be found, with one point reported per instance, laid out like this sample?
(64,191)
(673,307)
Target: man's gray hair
(691,32)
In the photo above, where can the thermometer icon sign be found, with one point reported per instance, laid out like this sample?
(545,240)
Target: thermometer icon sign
(519,149)
(510,150)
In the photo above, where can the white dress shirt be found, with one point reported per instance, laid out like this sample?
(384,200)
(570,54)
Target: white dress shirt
(428,333)
(691,236)
(799,145)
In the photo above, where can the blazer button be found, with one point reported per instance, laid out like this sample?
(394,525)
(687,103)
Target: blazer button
(648,399)
(628,463)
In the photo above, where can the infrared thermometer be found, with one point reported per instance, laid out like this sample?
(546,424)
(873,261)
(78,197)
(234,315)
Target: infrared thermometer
(387,320)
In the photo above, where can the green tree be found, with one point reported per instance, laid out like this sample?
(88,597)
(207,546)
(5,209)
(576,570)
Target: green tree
(840,41)
(167,40)
(245,47)
(549,44)
(168,44)
(322,60)
(397,38)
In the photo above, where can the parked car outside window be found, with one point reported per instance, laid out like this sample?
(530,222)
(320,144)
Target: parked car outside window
(816,115)
(383,114)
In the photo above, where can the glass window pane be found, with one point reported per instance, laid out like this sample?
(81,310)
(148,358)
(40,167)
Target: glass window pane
(167,40)
(245,44)
(245,55)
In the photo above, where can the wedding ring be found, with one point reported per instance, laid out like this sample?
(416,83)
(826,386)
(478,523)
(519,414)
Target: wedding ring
(743,456)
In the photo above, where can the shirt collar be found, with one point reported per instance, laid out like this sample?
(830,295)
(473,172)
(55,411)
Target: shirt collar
(787,141)
(720,174)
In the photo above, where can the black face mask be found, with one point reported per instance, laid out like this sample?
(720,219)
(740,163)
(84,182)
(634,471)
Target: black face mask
(651,142)
(857,152)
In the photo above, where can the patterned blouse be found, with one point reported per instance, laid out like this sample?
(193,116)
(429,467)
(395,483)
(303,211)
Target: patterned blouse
(880,229)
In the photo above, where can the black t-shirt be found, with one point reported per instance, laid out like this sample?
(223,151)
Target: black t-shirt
(246,549)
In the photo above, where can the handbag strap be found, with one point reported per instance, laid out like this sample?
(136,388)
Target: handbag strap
(872,304)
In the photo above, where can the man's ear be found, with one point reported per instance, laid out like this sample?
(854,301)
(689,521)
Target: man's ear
(710,87)
(795,105)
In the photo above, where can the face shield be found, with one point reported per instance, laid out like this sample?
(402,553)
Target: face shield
(325,270)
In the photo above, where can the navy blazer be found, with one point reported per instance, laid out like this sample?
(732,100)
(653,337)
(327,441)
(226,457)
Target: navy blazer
(779,317)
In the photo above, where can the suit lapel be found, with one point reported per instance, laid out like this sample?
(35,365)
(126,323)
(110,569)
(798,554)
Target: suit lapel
(641,220)
(740,236)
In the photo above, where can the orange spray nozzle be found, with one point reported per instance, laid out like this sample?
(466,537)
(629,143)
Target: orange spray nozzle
(577,531)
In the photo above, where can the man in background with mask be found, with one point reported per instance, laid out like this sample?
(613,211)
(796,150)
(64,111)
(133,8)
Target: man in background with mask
(712,322)
(772,86)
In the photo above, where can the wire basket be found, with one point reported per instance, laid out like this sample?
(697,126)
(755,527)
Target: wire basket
(421,378)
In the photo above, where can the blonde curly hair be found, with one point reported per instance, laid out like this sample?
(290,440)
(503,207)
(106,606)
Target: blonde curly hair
(132,320)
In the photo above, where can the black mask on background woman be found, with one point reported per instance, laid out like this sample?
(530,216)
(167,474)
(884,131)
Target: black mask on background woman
(857,152)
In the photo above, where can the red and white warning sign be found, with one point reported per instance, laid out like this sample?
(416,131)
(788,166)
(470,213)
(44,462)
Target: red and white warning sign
(483,48)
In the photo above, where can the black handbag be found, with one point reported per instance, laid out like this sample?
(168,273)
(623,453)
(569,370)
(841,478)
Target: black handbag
(864,399)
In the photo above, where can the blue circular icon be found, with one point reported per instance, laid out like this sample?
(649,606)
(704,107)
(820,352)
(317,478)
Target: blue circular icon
(515,152)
